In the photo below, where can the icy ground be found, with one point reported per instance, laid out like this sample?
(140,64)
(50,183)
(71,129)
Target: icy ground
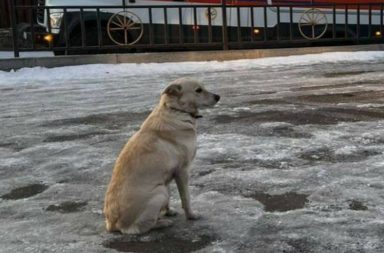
(291,160)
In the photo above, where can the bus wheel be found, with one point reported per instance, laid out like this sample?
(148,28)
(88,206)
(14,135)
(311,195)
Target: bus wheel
(313,24)
(125,28)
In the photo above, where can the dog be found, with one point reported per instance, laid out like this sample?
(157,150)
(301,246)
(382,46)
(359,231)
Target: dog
(162,150)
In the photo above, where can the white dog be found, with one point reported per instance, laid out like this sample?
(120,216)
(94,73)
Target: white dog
(162,150)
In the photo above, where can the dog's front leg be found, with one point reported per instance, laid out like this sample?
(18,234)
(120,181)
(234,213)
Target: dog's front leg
(181,179)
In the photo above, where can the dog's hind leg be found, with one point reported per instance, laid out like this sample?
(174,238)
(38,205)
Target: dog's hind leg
(149,218)
(163,223)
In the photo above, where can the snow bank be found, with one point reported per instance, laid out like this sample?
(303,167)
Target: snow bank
(101,71)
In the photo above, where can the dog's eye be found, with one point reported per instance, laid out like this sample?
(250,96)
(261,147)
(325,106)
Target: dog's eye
(199,90)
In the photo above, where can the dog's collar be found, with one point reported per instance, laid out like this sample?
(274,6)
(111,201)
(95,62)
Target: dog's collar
(193,115)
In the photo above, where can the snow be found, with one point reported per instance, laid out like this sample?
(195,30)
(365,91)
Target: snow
(99,71)
(288,130)
(10,54)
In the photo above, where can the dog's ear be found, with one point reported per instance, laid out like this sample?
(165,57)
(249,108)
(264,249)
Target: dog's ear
(173,90)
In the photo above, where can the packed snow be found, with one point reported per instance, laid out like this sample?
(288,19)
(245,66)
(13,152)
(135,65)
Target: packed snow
(10,54)
(290,160)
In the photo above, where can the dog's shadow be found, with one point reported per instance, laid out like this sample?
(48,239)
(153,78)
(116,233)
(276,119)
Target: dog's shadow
(183,236)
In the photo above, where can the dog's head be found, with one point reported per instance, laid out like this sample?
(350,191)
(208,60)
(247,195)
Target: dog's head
(188,95)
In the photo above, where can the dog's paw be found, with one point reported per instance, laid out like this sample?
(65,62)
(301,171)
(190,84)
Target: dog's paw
(193,216)
(163,223)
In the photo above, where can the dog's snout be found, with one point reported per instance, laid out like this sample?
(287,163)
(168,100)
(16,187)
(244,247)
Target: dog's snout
(217,98)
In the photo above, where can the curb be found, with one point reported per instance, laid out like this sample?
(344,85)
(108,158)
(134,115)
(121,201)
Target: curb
(73,60)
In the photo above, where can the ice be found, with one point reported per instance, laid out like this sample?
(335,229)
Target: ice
(291,160)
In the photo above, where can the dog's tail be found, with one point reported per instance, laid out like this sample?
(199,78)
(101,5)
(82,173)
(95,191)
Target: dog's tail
(110,219)
(111,214)
(116,225)
(110,226)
